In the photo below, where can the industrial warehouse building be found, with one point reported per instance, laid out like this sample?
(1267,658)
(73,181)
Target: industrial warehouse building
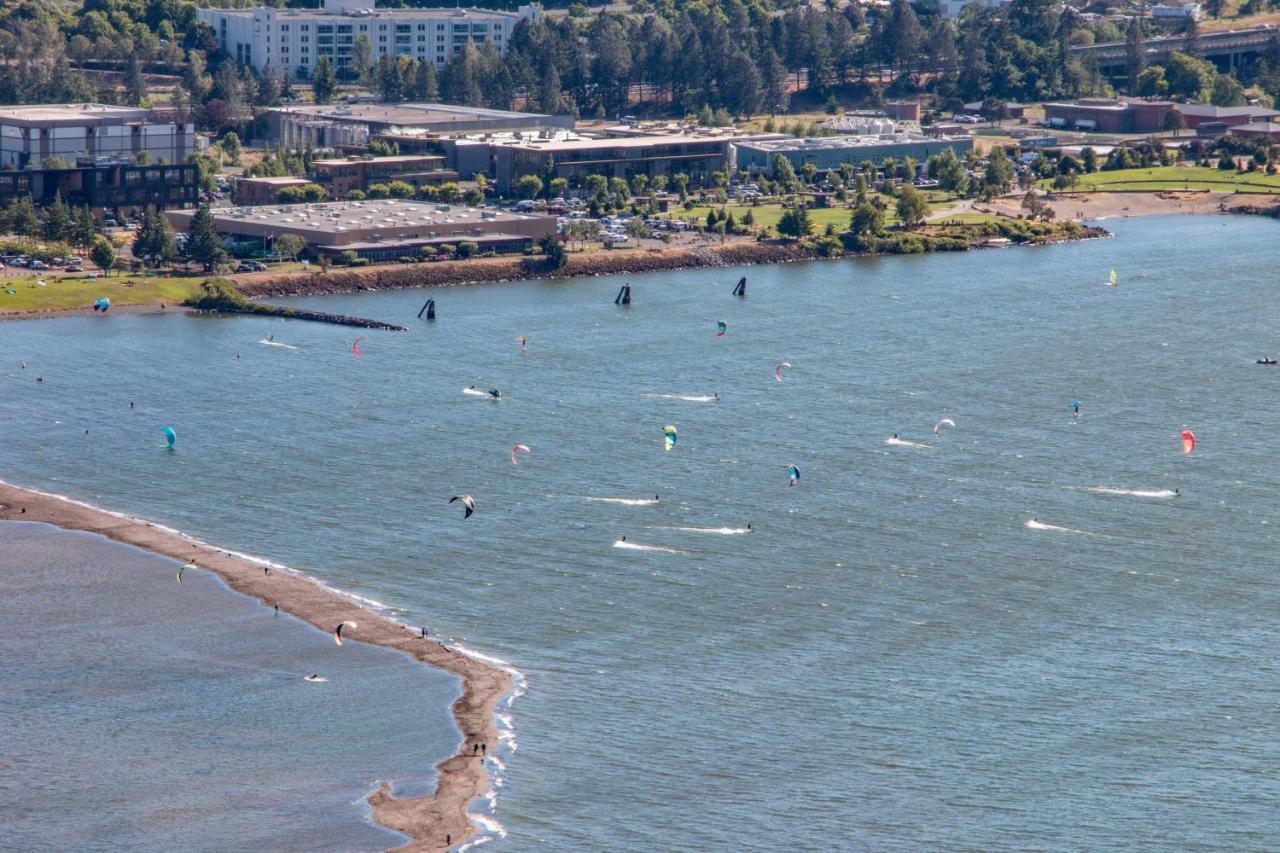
(378,230)
(829,152)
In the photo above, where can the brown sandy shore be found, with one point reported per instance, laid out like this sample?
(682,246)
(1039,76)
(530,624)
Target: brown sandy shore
(426,820)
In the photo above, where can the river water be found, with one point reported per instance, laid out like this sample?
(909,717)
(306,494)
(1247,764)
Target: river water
(1013,635)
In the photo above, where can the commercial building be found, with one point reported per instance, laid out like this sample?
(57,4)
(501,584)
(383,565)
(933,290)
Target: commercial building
(953,8)
(378,230)
(30,135)
(293,40)
(105,184)
(251,191)
(336,125)
(341,176)
(1258,130)
(829,152)
(1108,116)
(1198,114)
(574,158)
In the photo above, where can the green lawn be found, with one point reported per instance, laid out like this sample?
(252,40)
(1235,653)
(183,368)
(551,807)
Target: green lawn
(79,291)
(1166,178)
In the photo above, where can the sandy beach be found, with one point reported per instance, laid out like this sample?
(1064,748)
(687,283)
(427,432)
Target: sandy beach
(426,820)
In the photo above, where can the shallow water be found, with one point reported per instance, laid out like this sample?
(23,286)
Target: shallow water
(144,714)
(959,645)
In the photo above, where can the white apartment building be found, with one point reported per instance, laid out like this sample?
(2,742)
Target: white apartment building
(293,40)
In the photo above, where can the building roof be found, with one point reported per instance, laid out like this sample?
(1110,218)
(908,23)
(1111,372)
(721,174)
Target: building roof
(328,222)
(1269,128)
(840,143)
(58,115)
(401,159)
(588,144)
(1210,111)
(408,115)
(286,181)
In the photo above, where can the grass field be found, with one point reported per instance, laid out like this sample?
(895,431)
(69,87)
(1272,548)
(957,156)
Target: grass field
(1167,178)
(79,291)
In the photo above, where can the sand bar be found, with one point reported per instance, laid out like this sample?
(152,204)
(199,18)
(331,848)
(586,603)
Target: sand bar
(428,820)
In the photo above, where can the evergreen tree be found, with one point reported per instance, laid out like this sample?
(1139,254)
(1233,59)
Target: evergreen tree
(135,85)
(22,217)
(85,230)
(362,59)
(323,83)
(426,85)
(58,224)
(549,94)
(1135,52)
(204,246)
(154,243)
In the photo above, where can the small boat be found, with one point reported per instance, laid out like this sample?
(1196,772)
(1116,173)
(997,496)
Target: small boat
(1267,361)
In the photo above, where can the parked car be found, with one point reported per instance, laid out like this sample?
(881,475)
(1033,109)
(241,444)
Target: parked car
(39,265)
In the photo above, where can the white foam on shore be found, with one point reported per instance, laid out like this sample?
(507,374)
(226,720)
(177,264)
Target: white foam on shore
(1136,493)
(636,546)
(504,722)
(624,501)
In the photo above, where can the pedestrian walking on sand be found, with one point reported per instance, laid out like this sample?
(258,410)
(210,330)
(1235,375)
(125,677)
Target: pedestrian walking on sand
(475,748)
(483,749)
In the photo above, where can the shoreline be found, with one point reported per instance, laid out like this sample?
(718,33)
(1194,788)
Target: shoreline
(461,778)
(1079,207)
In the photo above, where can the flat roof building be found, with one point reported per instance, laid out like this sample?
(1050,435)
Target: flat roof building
(334,125)
(1108,116)
(31,134)
(1258,130)
(342,175)
(576,158)
(105,184)
(1197,114)
(251,191)
(830,152)
(293,40)
(379,230)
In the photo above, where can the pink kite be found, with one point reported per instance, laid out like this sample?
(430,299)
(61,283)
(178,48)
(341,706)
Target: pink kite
(1188,441)
(523,447)
(355,347)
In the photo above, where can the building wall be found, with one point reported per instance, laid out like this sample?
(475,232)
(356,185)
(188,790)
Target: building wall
(1134,117)
(697,158)
(342,177)
(760,159)
(294,40)
(22,144)
(112,187)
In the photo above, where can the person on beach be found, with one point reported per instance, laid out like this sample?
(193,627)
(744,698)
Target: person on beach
(483,748)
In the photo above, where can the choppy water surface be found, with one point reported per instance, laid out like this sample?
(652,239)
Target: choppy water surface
(1008,635)
(144,714)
